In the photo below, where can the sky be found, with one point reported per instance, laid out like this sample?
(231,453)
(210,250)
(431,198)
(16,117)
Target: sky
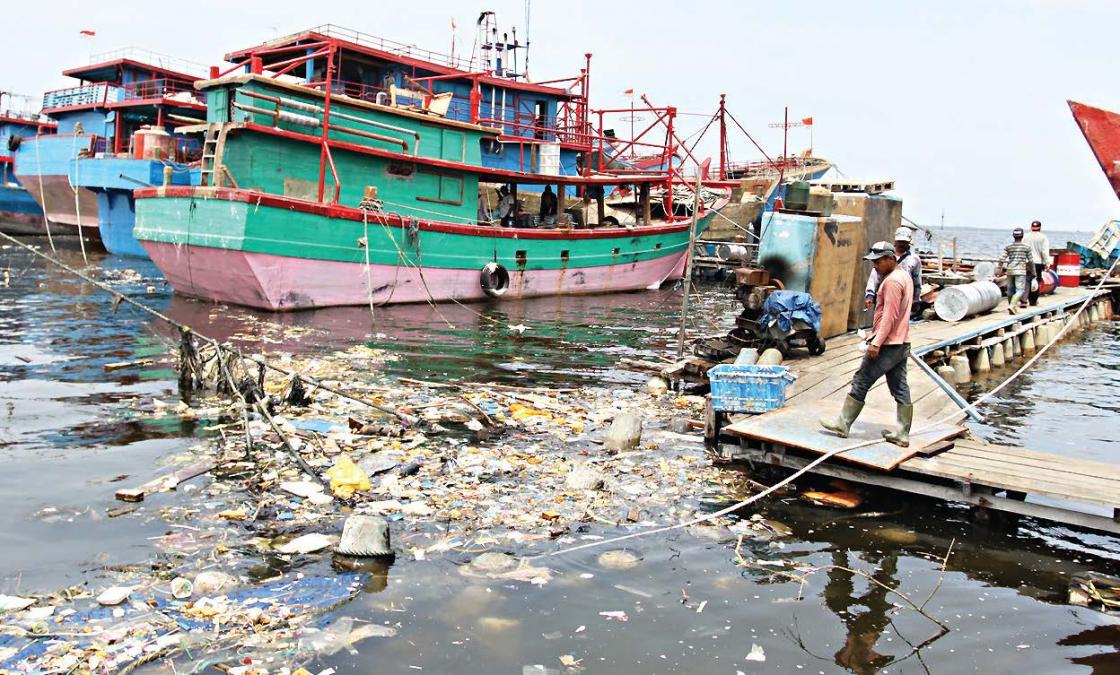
(961,102)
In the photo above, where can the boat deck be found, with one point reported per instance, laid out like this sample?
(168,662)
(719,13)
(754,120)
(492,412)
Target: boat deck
(943,462)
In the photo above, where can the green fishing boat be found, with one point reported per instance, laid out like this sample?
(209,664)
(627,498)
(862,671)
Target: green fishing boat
(341,187)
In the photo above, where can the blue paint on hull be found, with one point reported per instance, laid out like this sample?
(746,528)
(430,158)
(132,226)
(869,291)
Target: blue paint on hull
(15,199)
(113,181)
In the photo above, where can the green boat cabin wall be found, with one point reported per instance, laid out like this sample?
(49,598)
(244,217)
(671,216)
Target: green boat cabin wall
(290,167)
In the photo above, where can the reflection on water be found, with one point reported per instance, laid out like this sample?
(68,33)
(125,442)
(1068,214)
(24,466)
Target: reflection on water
(69,438)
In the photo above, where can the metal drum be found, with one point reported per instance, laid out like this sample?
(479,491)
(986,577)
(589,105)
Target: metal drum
(1069,268)
(1048,283)
(957,302)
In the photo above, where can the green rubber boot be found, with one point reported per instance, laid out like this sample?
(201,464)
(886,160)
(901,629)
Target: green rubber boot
(848,414)
(905,419)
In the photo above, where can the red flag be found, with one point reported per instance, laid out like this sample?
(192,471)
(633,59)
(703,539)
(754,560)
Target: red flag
(807,121)
(629,92)
(88,32)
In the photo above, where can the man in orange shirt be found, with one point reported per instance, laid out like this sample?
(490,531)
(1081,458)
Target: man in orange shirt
(888,350)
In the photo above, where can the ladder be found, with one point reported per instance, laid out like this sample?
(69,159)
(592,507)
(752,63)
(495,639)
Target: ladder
(213,171)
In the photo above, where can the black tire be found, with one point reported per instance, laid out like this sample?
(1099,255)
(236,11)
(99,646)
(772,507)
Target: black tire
(14,142)
(494,280)
(816,346)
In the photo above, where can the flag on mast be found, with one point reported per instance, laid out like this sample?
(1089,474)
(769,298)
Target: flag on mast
(88,33)
(807,121)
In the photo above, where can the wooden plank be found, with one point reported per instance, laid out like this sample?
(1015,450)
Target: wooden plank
(1026,479)
(166,482)
(903,482)
(944,467)
(799,428)
(1023,456)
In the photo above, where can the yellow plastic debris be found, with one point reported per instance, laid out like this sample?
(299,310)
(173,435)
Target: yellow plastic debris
(347,478)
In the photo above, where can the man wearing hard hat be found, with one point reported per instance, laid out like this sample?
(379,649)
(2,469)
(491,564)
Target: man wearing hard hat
(908,261)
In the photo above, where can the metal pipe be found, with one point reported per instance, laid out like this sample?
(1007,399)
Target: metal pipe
(370,135)
(957,302)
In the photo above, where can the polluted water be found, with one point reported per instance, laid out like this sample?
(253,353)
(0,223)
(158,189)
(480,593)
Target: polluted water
(474,455)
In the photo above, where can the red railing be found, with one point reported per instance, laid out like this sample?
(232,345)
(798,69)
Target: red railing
(149,89)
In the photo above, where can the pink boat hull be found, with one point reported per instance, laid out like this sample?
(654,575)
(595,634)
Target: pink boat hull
(284,283)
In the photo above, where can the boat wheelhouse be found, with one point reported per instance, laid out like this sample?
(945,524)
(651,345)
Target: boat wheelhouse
(19,212)
(116,130)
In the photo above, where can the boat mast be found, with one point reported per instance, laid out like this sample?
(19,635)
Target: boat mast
(722,137)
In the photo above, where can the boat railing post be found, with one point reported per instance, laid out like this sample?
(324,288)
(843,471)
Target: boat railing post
(687,280)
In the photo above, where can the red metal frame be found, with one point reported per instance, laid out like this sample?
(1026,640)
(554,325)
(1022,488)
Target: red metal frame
(571,126)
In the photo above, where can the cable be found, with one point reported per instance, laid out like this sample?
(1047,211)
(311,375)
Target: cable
(42,195)
(406,419)
(832,453)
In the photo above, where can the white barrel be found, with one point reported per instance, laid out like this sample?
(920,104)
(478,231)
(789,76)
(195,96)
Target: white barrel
(957,302)
(731,252)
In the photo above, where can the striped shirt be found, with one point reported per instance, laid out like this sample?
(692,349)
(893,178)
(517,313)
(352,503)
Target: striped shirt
(1016,258)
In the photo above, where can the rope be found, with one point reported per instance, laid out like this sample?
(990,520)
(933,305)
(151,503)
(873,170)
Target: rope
(260,361)
(77,205)
(854,446)
(369,273)
(42,195)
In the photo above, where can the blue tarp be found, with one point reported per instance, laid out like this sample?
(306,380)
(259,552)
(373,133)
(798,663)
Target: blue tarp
(784,307)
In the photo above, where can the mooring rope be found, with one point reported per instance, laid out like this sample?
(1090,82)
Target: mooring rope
(187,330)
(1092,296)
(42,194)
(77,206)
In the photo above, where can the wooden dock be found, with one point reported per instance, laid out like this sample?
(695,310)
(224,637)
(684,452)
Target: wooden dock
(962,469)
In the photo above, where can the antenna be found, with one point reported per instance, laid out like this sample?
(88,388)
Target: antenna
(526,40)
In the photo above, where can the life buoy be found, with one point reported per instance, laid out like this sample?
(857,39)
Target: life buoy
(494,280)
(13,142)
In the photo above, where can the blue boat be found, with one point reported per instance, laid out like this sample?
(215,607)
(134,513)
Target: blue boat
(19,213)
(127,121)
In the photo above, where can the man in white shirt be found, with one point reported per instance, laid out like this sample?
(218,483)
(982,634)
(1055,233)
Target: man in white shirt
(1040,256)
(908,260)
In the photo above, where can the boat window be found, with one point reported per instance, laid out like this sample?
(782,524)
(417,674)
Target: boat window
(521,258)
(400,169)
(564,256)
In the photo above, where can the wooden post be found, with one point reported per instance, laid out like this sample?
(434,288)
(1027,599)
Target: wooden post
(560,217)
(601,204)
(956,261)
(688,264)
(644,192)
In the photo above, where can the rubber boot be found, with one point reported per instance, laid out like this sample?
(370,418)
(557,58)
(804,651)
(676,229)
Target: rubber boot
(848,414)
(905,419)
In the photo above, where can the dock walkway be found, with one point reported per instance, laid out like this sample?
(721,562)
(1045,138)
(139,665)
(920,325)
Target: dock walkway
(961,469)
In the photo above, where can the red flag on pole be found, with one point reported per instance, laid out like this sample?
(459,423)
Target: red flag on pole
(90,33)
(628,92)
(807,121)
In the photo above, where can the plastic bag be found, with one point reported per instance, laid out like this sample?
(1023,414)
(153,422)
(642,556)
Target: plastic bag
(347,478)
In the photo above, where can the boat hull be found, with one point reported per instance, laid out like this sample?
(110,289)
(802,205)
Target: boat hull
(19,214)
(1102,131)
(43,165)
(112,180)
(277,254)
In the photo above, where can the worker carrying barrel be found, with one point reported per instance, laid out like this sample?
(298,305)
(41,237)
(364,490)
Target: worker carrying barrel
(909,261)
(888,348)
(1039,244)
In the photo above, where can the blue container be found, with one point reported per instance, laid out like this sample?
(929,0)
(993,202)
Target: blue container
(748,388)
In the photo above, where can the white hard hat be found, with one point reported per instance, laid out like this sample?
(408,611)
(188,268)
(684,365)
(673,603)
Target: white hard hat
(903,234)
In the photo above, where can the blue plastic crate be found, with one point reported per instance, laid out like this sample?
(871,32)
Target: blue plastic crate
(750,389)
